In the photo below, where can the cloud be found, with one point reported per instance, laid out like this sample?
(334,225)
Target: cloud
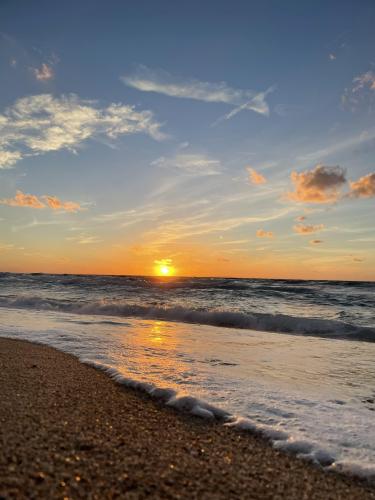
(255,177)
(163,262)
(31,201)
(161,82)
(338,146)
(362,91)
(37,124)
(5,247)
(300,218)
(23,200)
(204,222)
(191,164)
(9,158)
(308,229)
(364,187)
(320,185)
(84,239)
(44,73)
(366,80)
(316,242)
(332,57)
(264,234)
(56,204)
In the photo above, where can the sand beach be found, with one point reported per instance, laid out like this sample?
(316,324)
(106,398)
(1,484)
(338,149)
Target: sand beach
(68,431)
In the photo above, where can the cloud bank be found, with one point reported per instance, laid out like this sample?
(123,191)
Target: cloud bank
(161,82)
(37,124)
(32,201)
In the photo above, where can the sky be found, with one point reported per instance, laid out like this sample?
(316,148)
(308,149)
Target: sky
(216,138)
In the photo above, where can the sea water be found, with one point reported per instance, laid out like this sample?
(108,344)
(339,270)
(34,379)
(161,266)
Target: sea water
(294,360)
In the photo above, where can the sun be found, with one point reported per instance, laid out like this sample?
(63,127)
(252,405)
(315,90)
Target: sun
(164,267)
(164,270)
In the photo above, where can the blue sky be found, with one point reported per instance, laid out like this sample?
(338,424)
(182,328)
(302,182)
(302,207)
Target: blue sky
(137,131)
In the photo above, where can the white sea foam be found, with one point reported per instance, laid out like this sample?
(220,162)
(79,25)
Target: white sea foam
(309,396)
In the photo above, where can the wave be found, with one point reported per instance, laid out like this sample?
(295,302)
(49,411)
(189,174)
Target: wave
(278,323)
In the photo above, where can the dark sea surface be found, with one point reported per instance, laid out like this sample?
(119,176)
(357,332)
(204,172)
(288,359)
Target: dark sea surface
(326,308)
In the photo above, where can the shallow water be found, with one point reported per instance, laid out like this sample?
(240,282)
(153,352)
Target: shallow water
(309,394)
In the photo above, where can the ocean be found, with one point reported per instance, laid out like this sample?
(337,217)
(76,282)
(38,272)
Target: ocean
(291,359)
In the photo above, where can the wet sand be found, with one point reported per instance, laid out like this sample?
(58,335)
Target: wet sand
(68,431)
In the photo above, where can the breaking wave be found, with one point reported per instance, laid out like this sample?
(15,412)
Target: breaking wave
(279,323)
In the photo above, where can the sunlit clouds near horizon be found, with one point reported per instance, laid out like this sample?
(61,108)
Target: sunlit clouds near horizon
(205,142)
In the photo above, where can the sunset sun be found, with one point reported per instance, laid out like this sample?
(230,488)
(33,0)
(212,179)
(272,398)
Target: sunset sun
(164,267)
(164,270)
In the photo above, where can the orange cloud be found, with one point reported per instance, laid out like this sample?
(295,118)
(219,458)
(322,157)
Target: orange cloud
(31,201)
(255,177)
(23,200)
(320,185)
(264,234)
(56,204)
(364,187)
(316,242)
(302,229)
(44,73)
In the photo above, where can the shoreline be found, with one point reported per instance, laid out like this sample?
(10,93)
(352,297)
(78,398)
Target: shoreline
(68,430)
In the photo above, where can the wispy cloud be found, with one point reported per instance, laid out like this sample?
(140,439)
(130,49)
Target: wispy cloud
(362,91)
(37,124)
(204,223)
(133,216)
(261,233)
(84,239)
(147,80)
(32,201)
(38,223)
(363,240)
(308,229)
(338,146)
(255,177)
(191,164)
(44,73)
(5,247)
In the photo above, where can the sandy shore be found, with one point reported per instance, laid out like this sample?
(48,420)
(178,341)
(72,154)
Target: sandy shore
(68,431)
